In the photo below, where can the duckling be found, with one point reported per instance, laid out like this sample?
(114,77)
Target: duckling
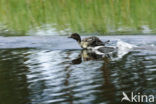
(89,42)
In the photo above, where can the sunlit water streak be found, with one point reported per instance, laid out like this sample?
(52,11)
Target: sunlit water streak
(47,76)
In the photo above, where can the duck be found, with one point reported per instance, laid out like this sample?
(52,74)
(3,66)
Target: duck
(89,42)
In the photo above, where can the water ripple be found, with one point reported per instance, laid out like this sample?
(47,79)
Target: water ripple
(48,76)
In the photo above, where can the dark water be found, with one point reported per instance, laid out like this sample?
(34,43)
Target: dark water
(33,73)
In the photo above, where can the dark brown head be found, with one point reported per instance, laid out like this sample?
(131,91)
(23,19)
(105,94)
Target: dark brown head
(76,36)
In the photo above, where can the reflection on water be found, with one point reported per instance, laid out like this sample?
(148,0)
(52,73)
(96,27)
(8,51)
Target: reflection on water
(32,76)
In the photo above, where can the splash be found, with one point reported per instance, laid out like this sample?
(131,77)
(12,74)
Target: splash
(124,48)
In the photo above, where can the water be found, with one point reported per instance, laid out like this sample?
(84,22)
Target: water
(54,70)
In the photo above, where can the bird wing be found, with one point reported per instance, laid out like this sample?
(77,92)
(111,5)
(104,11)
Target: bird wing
(106,49)
(93,41)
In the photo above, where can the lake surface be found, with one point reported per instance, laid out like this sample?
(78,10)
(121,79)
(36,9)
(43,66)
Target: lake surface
(54,70)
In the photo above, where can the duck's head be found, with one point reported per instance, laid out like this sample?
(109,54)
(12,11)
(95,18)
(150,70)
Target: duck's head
(75,36)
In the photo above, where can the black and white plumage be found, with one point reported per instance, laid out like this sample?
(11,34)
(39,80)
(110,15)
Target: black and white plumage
(105,51)
(89,42)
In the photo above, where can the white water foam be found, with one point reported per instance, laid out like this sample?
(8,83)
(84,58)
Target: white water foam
(123,48)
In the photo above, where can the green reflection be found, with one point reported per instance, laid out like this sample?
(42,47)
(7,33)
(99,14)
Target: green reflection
(13,80)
